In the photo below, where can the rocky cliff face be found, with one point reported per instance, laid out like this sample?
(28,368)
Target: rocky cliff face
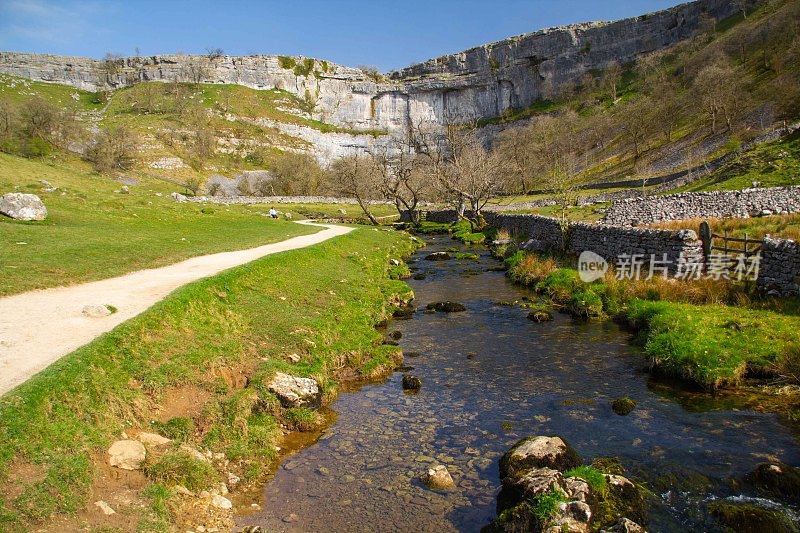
(478,83)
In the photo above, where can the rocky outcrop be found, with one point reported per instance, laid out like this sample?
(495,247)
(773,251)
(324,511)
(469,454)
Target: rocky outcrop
(293,391)
(21,206)
(481,82)
(543,491)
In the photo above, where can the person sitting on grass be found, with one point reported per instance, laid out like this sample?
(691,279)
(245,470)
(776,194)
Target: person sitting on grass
(273,213)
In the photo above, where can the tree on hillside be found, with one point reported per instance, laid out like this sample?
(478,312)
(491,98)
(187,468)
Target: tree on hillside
(638,124)
(512,145)
(718,85)
(202,141)
(354,176)
(611,79)
(9,116)
(114,149)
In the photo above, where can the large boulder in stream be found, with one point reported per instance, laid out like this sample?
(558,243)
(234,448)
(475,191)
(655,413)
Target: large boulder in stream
(437,256)
(777,480)
(446,307)
(293,391)
(538,452)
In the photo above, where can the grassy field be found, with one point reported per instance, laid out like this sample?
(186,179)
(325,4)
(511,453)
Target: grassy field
(93,232)
(778,226)
(219,341)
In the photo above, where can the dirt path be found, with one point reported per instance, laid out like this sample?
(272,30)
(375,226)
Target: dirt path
(39,327)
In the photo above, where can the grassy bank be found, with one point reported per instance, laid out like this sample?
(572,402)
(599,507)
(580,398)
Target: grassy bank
(195,368)
(714,334)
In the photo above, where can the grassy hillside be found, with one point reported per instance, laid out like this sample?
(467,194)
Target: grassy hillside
(94,231)
(677,108)
(181,131)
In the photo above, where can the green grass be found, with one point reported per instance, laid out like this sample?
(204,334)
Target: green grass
(713,345)
(590,475)
(94,233)
(180,468)
(772,164)
(19,89)
(321,302)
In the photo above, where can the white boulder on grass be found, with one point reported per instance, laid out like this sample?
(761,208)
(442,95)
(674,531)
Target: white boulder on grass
(295,391)
(127,454)
(21,206)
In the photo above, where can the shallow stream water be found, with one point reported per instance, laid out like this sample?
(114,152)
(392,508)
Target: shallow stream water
(490,377)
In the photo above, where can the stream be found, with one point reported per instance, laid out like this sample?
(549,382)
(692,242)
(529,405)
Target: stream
(491,377)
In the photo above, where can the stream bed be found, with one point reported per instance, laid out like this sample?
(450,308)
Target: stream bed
(490,377)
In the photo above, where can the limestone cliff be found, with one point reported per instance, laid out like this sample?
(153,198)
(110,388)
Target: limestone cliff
(481,82)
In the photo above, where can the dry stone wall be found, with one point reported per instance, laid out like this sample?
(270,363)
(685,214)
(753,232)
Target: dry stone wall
(779,269)
(716,204)
(610,242)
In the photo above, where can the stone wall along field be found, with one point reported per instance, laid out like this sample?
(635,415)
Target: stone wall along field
(717,204)
(779,268)
(779,272)
(610,242)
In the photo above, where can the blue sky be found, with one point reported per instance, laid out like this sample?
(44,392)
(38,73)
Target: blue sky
(385,33)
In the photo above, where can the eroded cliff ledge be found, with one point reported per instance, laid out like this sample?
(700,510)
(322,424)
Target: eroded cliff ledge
(478,83)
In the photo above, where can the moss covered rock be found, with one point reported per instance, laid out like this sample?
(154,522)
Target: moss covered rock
(777,479)
(538,452)
(742,517)
(446,307)
(623,406)
(621,497)
(540,315)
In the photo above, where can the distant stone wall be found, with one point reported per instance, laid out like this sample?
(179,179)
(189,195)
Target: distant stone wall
(544,231)
(609,242)
(253,200)
(779,269)
(716,204)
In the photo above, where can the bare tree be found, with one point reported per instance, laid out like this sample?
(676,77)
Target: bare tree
(611,79)
(214,53)
(354,176)
(114,149)
(202,142)
(195,69)
(637,124)
(403,180)
(466,173)
(513,146)
(720,92)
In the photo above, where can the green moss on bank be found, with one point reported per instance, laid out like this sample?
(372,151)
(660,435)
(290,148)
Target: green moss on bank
(320,302)
(685,328)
